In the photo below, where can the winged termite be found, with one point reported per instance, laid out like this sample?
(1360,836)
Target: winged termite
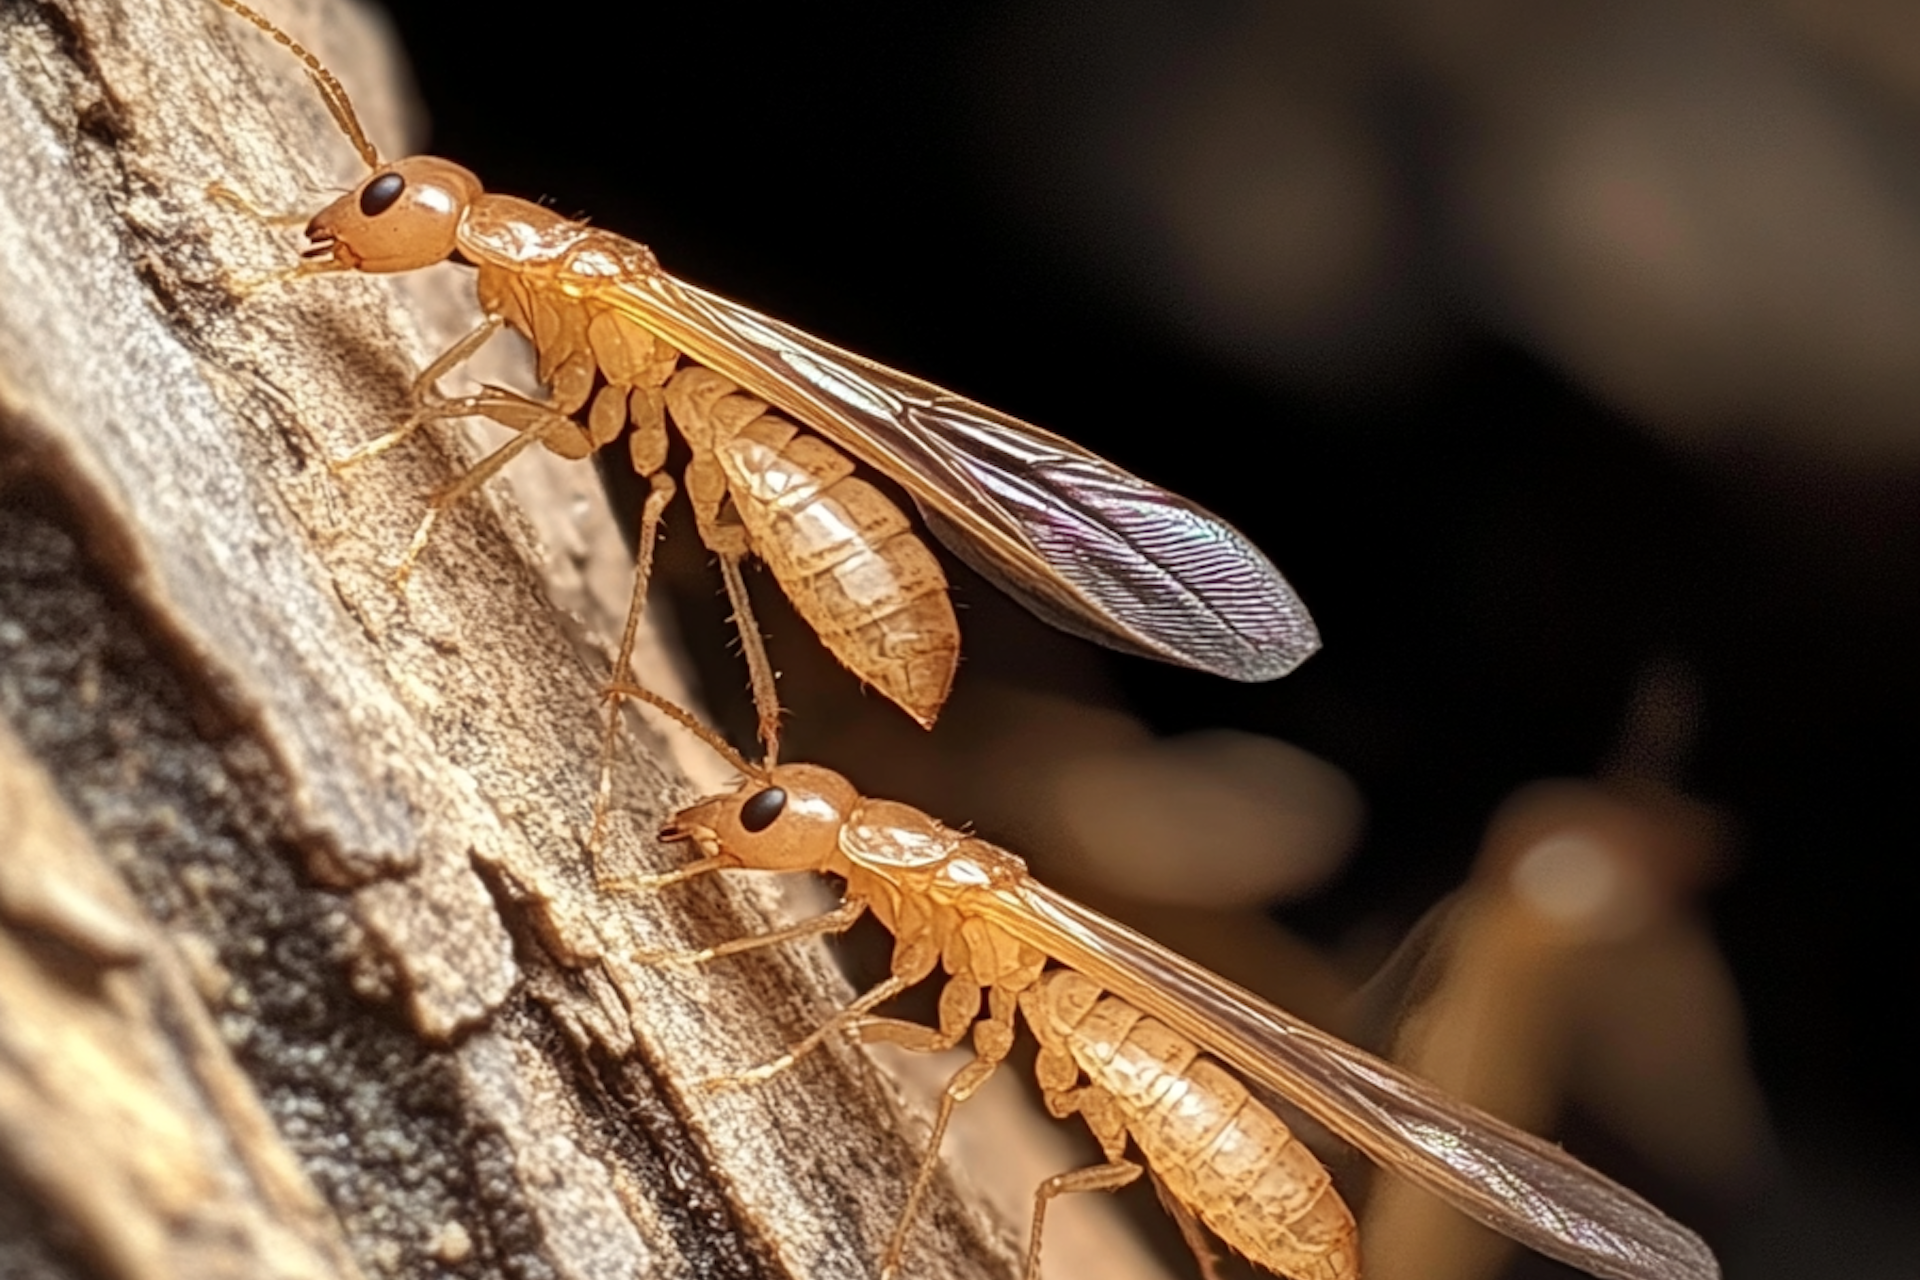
(1087,546)
(962,904)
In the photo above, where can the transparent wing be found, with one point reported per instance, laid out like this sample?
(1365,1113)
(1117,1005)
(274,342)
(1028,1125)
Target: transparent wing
(1088,547)
(1515,1183)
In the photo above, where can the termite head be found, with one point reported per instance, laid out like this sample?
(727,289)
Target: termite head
(404,216)
(786,820)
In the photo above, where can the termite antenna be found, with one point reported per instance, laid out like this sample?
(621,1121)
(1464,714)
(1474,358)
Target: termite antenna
(686,720)
(332,92)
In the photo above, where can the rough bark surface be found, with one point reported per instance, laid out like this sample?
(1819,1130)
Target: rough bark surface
(303,971)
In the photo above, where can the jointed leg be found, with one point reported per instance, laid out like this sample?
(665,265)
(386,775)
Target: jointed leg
(959,1007)
(424,396)
(838,920)
(221,193)
(992,1040)
(1100,1177)
(531,420)
(1198,1241)
(722,533)
(647,884)
(463,484)
(660,494)
(847,1017)
(766,695)
(913,959)
(1057,1072)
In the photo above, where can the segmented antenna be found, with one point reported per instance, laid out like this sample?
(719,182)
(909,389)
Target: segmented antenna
(332,92)
(685,719)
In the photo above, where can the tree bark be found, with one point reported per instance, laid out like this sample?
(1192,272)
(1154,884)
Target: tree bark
(303,969)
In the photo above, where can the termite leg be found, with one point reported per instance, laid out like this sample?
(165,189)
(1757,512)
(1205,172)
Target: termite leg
(959,1007)
(879,994)
(463,484)
(1199,1243)
(648,884)
(1056,1071)
(766,694)
(532,423)
(223,194)
(220,193)
(722,532)
(838,920)
(1111,1176)
(657,499)
(424,396)
(913,959)
(992,1041)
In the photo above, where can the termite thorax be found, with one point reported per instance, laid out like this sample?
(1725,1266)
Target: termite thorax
(507,231)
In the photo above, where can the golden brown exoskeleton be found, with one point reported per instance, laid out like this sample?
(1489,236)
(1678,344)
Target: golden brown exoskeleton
(959,903)
(1084,544)
(846,555)
(1216,1152)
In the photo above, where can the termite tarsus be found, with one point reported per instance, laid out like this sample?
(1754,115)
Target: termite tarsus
(957,902)
(1087,546)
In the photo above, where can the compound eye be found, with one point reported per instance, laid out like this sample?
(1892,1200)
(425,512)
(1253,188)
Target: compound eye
(379,195)
(760,810)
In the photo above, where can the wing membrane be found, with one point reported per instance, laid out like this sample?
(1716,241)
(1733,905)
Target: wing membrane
(1088,547)
(1515,1183)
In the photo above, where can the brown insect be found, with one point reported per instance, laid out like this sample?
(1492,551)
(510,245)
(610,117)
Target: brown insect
(1085,545)
(1217,1152)
(1214,1151)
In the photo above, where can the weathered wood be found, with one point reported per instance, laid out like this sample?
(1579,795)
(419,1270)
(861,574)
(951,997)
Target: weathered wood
(302,969)
(120,1108)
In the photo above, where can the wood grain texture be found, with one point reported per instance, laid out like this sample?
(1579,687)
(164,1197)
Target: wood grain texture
(319,982)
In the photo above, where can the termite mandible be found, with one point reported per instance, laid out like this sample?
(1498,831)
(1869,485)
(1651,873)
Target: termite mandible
(620,343)
(1159,1051)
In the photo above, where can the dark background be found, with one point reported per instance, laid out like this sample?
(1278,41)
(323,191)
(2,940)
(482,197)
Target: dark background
(1511,442)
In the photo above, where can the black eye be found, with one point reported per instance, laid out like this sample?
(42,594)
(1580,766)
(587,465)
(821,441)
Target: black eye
(378,196)
(758,813)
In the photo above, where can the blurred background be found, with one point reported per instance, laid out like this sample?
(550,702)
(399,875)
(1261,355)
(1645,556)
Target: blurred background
(1567,360)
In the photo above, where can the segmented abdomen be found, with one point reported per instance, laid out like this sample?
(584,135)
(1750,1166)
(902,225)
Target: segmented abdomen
(842,551)
(1219,1151)
(846,556)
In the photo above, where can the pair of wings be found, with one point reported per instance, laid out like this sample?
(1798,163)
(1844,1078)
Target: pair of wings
(1090,548)
(1102,554)
(1509,1180)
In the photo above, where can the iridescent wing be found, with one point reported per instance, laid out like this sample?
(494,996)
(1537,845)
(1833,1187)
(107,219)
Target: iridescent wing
(1513,1182)
(1088,547)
